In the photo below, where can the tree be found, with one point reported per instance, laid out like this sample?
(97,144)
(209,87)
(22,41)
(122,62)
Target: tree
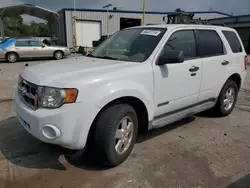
(14,27)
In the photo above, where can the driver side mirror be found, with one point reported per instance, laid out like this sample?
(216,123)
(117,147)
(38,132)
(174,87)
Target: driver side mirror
(43,45)
(170,57)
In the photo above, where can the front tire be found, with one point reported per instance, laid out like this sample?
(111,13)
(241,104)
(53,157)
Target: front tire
(58,55)
(227,99)
(115,134)
(12,57)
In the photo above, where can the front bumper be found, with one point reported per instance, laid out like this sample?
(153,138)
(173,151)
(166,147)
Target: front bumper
(67,126)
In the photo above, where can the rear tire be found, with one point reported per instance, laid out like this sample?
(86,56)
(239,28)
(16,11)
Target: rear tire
(115,134)
(12,57)
(227,99)
(58,55)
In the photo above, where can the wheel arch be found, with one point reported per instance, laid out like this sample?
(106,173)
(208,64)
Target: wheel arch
(58,51)
(6,55)
(237,79)
(139,107)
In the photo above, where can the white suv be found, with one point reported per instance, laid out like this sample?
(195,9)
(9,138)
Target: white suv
(140,78)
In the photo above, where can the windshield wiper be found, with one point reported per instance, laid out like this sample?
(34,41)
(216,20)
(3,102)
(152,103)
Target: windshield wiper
(106,57)
(90,55)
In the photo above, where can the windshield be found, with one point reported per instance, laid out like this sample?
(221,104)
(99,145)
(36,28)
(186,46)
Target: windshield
(135,44)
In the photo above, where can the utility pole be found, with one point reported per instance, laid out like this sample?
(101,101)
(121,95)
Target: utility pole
(74,18)
(144,12)
(107,7)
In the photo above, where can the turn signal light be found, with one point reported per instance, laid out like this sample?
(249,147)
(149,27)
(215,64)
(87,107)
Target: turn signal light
(71,95)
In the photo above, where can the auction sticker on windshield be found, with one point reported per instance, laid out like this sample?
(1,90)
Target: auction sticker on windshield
(150,32)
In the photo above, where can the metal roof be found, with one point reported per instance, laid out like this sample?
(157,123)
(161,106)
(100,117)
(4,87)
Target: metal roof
(140,12)
(29,9)
(233,19)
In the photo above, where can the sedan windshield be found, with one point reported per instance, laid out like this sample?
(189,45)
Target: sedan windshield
(135,44)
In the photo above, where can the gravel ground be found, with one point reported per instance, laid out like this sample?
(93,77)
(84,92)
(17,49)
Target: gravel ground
(197,152)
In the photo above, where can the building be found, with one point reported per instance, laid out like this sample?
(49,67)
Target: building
(91,24)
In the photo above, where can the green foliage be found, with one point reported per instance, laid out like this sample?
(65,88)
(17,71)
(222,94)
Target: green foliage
(14,27)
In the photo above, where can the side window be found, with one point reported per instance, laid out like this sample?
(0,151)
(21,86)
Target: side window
(210,43)
(21,44)
(35,43)
(183,40)
(233,41)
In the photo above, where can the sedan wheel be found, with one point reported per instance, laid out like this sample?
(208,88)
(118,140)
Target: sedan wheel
(58,55)
(12,57)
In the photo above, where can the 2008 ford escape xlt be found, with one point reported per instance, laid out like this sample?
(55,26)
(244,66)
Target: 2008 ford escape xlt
(141,77)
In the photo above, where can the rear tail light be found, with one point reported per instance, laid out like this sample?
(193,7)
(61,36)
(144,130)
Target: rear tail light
(246,61)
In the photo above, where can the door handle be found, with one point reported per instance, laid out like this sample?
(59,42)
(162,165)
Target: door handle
(194,69)
(225,63)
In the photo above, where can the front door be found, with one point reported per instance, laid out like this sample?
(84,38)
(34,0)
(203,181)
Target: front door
(177,85)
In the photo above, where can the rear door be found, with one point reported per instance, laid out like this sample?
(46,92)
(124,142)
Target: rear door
(216,63)
(237,49)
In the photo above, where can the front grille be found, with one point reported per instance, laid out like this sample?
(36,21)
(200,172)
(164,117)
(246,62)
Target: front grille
(28,93)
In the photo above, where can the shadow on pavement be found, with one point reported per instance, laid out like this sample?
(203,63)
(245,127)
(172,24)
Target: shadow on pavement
(242,183)
(22,149)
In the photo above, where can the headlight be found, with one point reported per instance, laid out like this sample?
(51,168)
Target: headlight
(56,97)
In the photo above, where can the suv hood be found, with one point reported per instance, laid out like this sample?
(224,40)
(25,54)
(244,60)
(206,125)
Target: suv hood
(59,73)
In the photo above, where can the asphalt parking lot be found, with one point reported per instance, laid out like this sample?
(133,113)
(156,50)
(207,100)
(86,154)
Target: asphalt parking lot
(197,152)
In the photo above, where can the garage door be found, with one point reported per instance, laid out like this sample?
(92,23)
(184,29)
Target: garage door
(86,32)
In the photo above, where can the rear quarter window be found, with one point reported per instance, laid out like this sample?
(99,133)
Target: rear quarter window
(233,41)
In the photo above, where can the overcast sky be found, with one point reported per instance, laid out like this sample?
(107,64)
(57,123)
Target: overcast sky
(237,7)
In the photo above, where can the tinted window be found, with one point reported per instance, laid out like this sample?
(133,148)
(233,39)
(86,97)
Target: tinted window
(36,43)
(21,43)
(210,43)
(233,41)
(183,40)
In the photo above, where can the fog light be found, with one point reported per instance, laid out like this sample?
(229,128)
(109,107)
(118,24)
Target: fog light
(51,132)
